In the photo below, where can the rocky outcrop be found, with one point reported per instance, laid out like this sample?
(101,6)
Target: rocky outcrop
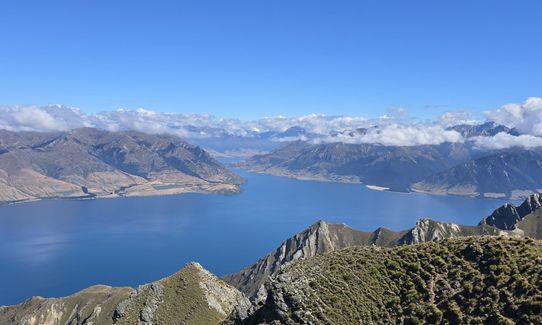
(427,230)
(94,305)
(191,296)
(508,216)
(319,238)
(323,237)
(96,163)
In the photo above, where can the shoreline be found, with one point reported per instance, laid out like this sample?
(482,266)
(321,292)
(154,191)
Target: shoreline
(372,187)
(117,196)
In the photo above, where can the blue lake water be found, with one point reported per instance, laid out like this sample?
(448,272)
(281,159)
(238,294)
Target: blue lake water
(57,247)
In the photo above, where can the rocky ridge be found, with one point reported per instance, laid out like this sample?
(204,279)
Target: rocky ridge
(322,237)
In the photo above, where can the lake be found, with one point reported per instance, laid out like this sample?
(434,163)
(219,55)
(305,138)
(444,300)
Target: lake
(57,247)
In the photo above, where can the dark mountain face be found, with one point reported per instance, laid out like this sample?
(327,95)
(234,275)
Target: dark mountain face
(510,173)
(448,168)
(392,167)
(486,129)
(509,216)
(95,162)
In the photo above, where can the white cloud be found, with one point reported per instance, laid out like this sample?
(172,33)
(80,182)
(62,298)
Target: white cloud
(393,129)
(30,118)
(400,135)
(526,117)
(504,140)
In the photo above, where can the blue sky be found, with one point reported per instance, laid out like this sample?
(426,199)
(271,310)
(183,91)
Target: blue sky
(251,59)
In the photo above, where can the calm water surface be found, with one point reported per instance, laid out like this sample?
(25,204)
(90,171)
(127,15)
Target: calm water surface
(57,247)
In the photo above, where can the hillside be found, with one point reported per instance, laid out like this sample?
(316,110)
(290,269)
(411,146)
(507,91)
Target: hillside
(190,296)
(445,169)
(385,166)
(511,173)
(95,163)
(323,237)
(473,280)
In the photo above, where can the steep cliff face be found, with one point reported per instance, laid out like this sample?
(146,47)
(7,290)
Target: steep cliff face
(190,296)
(320,238)
(508,216)
(95,163)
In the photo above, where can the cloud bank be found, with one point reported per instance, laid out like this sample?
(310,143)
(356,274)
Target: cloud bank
(400,135)
(389,130)
(525,117)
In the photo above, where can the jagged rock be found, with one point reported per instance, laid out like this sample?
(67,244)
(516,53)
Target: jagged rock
(508,216)
(320,238)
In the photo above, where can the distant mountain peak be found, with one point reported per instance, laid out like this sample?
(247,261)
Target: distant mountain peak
(485,129)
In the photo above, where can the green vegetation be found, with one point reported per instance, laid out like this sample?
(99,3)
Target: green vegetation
(181,301)
(475,280)
(167,187)
(186,302)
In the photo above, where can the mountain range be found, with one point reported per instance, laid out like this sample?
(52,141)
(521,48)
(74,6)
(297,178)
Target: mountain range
(459,168)
(89,162)
(434,272)
(484,159)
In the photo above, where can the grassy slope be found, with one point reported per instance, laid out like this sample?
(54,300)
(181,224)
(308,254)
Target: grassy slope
(467,280)
(183,302)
